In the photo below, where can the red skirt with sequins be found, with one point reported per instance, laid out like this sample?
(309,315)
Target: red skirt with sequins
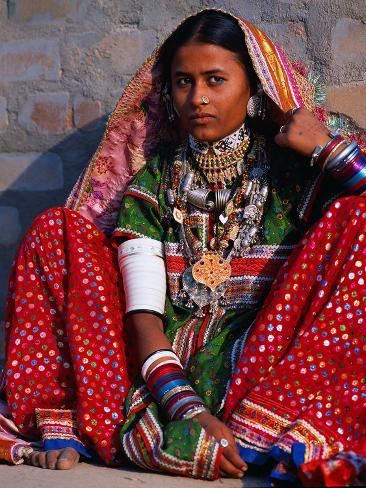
(66,370)
(298,394)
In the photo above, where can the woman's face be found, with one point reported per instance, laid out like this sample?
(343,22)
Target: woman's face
(206,70)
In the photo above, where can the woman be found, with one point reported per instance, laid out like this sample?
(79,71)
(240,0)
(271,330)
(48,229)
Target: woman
(218,208)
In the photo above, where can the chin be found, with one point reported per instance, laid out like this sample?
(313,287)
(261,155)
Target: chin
(205,135)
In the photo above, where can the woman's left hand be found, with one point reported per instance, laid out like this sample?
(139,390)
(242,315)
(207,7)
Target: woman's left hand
(301,131)
(231,463)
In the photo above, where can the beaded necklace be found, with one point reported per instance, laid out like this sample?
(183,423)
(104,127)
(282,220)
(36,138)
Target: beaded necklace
(220,164)
(220,168)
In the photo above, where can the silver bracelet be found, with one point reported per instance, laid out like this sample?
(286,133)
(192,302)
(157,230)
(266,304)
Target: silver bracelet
(316,153)
(173,391)
(194,411)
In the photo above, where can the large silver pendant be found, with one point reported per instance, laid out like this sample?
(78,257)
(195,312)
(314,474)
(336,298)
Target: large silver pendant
(199,293)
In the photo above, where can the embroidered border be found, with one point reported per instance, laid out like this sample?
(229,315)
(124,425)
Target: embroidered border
(125,231)
(139,192)
(206,459)
(57,424)
(308,197)
(258,428)
(148,432)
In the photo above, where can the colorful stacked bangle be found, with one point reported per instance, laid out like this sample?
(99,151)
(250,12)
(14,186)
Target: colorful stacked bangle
(326,157)
(321,152)
(352,174)
(348,166)
(338,161)
(165,378)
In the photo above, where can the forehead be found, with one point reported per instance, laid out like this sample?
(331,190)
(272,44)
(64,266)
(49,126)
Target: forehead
(200,57)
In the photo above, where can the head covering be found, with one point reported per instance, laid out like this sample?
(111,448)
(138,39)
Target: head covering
(134,128)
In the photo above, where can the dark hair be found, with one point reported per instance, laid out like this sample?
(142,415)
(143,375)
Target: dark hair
(210,27)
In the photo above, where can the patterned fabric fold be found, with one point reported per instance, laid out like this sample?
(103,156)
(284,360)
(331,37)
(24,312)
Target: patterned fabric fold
(65,348)
(13,447)
(299,386)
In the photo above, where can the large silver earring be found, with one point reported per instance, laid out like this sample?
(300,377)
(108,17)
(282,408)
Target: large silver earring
(253,106)
(168,104)
(256,106)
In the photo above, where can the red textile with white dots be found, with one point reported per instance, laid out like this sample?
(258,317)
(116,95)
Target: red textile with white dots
(65,347)
(300,385)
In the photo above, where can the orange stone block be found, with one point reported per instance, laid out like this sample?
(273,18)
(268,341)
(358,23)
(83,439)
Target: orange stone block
(48,113)
(44,11)
(86,113)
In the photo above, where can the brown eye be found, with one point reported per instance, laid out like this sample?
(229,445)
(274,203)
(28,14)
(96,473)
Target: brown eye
(184,81)
(216,80)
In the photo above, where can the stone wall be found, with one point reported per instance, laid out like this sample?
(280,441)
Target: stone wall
(63,64)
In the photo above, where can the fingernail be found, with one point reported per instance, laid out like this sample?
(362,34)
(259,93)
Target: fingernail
(240,474)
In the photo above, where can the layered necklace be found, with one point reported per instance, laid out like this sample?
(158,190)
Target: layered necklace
(218,162)
(230,180)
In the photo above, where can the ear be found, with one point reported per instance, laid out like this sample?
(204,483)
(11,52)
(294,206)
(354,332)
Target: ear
(275,113)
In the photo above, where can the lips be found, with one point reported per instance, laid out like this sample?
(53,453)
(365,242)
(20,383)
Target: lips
(201,115)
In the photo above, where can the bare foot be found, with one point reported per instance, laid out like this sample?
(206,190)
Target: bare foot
(58,459)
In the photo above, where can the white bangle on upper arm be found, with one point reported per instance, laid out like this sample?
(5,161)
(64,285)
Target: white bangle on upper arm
(142,265)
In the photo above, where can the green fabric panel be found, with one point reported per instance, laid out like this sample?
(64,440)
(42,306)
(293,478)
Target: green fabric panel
(138,215)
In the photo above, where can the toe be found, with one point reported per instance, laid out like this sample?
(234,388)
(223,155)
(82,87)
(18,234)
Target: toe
(67,459)
(51,458)
(42,459)
(33,459)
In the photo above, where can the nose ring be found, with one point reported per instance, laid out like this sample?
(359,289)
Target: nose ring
(205,100)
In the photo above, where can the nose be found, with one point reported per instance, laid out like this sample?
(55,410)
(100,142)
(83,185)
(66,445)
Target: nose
(197,94)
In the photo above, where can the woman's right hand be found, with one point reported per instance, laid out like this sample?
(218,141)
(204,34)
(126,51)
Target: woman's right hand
(231,464)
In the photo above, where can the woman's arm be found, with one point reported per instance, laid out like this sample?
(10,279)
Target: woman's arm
(146,332)
(341,159)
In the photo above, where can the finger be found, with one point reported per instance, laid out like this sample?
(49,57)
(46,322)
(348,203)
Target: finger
(283,129)
(229,469)
(231,454)
(281,139)
(231,450)
(290,114)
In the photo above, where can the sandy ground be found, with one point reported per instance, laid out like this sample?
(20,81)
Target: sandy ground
(93,476)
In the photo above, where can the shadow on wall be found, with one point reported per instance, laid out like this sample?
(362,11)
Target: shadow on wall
(33,182)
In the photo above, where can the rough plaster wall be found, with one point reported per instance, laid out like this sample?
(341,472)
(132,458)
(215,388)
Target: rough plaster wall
(63,64)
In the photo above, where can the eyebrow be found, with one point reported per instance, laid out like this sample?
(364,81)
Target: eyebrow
(208,72)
